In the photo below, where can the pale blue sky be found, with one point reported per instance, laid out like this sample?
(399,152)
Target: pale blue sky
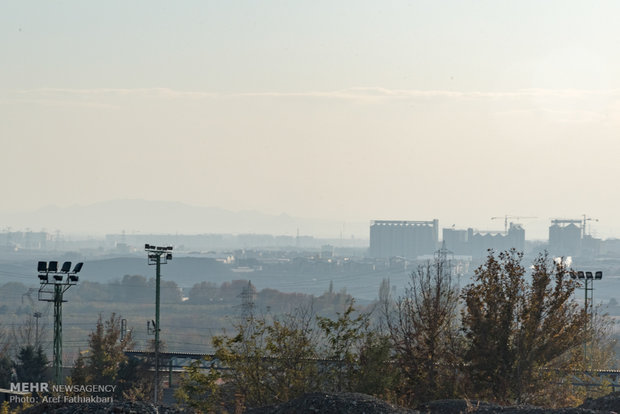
(351,110)
(288,46)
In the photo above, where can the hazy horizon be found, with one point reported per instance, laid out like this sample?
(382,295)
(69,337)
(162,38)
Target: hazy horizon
(136,216)
(346,112)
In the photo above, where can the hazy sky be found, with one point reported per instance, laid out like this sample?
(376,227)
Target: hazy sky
(350,110)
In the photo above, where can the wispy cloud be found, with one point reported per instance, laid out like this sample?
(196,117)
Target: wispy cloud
(377,92)
(577,106)
(57,103)
(356,93)
(119,92)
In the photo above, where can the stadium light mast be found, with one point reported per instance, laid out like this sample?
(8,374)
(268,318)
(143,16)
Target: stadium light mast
(588,278)
(157,256)
(52,291)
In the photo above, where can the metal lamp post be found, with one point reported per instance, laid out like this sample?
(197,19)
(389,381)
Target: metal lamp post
(157,256)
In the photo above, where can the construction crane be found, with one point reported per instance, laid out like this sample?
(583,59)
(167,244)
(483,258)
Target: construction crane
(506,217)
(581,222)
(583,229)
(566,221)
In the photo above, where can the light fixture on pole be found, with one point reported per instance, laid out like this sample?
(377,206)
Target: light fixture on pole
(588,279)
(157,256)
(52,291)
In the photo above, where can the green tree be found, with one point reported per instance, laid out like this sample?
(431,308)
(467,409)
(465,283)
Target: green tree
(515,326)
(105,356)
(203,293)
(136,379)
(6,371)
(246,356)
(32,364)
(555,392)
(291,346)
(267,360)
(200,388)
(377,374)
(170,291)
(343,338)
(87,291)
(135,289)
(275,359)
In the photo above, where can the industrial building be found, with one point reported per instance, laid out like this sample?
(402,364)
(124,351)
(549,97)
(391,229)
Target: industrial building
(401,238)
(457,241)
(480,242)
(29,240)
(567,237)
(476,243)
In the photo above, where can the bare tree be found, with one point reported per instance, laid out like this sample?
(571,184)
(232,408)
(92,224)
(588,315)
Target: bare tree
(31,332)
(423,328)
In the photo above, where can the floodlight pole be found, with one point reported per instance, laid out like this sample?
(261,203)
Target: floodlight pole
(155,255)
(588,287)
(58,333)
(157,298)
(63,279)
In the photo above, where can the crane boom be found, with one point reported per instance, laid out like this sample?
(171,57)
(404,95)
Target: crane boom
(583,229)
(506,217)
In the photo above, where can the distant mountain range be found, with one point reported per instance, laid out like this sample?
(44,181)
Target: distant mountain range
(141,216)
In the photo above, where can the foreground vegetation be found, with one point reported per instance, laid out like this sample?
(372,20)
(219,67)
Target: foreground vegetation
(509,337)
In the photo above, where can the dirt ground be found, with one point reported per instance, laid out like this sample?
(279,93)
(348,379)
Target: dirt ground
(342,403)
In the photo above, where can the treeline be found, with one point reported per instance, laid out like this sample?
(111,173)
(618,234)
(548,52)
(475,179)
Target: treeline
(139,289)
(133,296)
(509,337)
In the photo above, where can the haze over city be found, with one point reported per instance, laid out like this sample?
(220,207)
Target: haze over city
(348,111)
(225,205)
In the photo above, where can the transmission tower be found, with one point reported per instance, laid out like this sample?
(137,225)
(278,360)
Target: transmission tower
(248,297)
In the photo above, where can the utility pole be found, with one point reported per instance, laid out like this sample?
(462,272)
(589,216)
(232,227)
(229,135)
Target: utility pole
(123,329)
(60,286)
(37,315)
(157,256)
